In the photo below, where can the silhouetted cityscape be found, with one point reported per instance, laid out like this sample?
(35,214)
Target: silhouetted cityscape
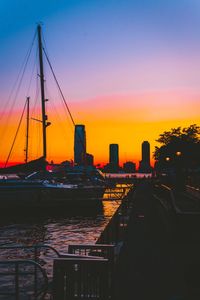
(82,158)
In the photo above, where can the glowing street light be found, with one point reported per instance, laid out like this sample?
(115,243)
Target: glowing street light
(178,153)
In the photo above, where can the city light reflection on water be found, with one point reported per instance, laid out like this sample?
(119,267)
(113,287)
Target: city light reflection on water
(60,231)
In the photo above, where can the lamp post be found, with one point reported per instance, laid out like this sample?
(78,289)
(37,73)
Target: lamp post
(177,174)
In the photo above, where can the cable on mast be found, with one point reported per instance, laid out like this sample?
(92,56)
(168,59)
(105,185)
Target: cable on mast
(63,97)
(20,121)
(19,80)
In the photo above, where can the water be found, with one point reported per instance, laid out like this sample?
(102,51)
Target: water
(56,231)
(61,230)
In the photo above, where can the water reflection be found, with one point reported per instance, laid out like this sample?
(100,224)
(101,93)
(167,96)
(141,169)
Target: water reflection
(61,230)
(57,231)
(118,192)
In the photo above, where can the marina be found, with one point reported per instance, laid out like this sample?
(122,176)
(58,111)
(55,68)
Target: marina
(48,191)
(61,229)
(43,239)
(99,150)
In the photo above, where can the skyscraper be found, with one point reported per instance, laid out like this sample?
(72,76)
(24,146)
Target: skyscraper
(80,145)
(146,153)
(114,157)
(145,166)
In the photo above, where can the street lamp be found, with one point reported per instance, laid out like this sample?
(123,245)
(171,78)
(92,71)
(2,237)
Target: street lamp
(180,174)
(176,175)
(178,153)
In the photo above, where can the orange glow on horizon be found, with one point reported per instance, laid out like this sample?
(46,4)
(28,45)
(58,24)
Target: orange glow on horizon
(127,120)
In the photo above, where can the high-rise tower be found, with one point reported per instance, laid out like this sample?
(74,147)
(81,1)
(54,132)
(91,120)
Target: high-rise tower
(146,153)
(114,156)
(80,145)
(145,166)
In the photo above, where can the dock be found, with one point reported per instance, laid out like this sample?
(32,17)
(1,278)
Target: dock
(160,257)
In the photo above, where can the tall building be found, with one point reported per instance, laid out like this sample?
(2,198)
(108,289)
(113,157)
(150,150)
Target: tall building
(145,166)
(146,153)
(114,157)
(80,145)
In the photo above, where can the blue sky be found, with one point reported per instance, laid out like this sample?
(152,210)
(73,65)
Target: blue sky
(107,49)
(105,35)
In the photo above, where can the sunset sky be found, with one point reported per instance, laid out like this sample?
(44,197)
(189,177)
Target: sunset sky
(129,70)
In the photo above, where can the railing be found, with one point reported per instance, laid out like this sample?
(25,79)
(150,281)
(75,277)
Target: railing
(165,196)
(44,255)
(102,251)
(193,191)
(34,252)
(86,278)
(22,279)
(78,279)
(182,203)
(166,207)
(114,232)
(86,271)
(28,250)
(98,250)
(40,253)
(117,192)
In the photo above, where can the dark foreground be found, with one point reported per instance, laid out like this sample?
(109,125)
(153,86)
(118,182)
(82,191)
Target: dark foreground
(157,231)
(161,255)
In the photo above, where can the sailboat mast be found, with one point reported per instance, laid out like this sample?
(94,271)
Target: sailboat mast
(44,116)
(27,128)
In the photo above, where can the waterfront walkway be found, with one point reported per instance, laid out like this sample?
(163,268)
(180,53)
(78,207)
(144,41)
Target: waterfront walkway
(152,243)
(156,263)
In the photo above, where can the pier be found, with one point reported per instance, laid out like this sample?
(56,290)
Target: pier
(160,256)
(156,246)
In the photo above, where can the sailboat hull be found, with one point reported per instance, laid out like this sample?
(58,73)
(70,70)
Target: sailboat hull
(45,196)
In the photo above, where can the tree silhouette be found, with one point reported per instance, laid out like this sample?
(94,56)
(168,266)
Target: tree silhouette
(179,152)
(185,142)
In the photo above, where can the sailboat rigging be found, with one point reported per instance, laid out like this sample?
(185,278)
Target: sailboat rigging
(44,193)
(27,129)
(43,100)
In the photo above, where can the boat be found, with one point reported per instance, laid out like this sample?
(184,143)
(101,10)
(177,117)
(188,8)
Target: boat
(25,168)
(44,194)
(29,189)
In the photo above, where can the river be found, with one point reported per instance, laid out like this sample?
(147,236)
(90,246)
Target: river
(56,231)
(61,230)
